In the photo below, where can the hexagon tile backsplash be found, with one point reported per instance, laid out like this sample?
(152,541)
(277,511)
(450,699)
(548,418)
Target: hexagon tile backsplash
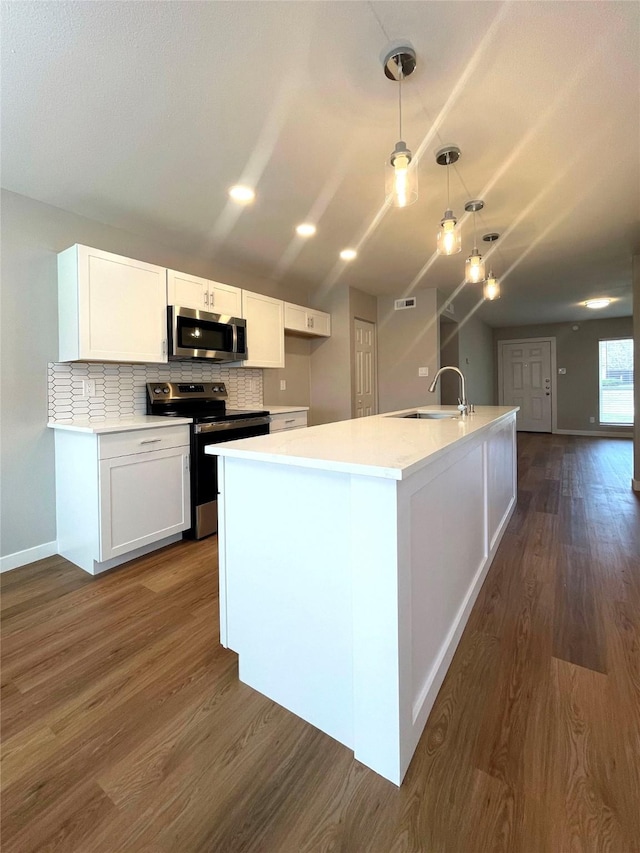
(121,392)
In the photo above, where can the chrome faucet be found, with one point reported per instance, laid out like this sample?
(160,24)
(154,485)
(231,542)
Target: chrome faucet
(463,406)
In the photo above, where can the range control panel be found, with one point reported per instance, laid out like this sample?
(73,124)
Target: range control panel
(186,390)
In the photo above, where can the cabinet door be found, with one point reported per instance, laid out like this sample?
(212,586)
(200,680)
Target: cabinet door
(122,308)
(189,291)
(143,498)
(295,317)
(265,330)
(319,323)
(224,299)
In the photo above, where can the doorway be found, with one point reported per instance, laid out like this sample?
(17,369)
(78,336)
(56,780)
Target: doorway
(526,378)
(364,400)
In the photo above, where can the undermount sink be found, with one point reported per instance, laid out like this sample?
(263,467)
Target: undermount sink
(428,415)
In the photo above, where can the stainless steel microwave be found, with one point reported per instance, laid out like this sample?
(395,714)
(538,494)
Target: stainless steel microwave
(201,335)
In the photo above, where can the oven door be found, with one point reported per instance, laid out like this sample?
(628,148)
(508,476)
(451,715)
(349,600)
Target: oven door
(204,470)
(202,335)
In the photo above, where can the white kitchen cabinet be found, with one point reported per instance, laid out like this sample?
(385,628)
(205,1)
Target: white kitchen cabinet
(265,330)
(119,495)
(287,420)
(306,321)
(189,291)
(110,308)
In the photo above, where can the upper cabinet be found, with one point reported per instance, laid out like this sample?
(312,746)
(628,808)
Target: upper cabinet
(189,291)
(306,321)
(110,308)
(265,330)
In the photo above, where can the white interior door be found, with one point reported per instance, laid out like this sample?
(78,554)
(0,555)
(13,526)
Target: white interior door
(526,382)
(365,369)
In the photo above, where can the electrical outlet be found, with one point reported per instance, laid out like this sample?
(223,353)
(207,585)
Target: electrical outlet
(283,384)
(592,420)
(88,388)
(423,371)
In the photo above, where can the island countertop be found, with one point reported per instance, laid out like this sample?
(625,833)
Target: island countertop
(387,445)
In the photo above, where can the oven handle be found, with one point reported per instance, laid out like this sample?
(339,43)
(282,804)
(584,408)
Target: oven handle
(221,426)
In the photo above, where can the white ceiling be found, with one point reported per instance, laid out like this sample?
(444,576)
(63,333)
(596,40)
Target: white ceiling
(141,115)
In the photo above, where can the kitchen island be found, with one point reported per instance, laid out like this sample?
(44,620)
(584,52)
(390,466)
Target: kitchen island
(350,557)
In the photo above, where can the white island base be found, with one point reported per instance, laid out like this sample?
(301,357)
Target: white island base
(347,577)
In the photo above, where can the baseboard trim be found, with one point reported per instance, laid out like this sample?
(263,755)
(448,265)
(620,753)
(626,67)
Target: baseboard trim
(595,433)
(29,555)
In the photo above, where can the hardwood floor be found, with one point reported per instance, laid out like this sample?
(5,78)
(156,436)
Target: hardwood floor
(125,727)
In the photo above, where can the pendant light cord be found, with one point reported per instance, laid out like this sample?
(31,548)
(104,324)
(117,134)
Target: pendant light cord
(448,201)
(400,96)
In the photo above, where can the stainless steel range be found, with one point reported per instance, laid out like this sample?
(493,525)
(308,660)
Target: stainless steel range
(205,402)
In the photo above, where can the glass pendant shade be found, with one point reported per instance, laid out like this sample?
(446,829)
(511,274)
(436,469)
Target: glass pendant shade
(474,268)
(401,183)
(491,289)
(449,240)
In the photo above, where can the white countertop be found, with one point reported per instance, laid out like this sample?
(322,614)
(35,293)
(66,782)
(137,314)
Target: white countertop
(117,424)
(284,410)
(378,446)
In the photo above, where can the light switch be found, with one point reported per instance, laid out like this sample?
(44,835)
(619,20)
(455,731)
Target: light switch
(423,371)
(283,384)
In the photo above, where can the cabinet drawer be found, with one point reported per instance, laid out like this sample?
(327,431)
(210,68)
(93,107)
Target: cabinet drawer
(288,420)
(142,440)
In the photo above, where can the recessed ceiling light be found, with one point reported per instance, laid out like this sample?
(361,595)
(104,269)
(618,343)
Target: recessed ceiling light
(597,303)
(348,254)
(242,194)
(306,229)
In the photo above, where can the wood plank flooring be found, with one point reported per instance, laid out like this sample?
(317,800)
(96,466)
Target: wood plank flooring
(125,727)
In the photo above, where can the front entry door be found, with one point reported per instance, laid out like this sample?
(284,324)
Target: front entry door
(365,372)
(526,382)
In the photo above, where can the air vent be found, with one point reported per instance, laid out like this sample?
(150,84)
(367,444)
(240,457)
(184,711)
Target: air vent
(400,304)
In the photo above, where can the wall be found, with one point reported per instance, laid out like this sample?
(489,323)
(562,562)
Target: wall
(577,392)
(330,360)
(636,370)
(407,339)
(296,373)
(477,361)
(32,234)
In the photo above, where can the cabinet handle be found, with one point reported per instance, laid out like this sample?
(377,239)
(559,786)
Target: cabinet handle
(150,440)
(206,298)
(290,421)
(164,347)
(310,322)
(212,297)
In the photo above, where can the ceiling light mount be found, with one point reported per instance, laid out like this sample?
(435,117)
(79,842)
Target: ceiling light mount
(491,238)
(399,63)
(474,206)
(448,155)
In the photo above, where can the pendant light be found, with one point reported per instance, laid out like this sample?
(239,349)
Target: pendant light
(401,181)
(491,286)
(474,265)
(449,240)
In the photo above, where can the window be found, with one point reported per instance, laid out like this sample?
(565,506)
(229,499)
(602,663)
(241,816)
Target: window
(616,381)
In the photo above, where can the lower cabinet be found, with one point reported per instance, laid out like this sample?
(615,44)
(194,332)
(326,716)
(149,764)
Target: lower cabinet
(287,420)
(118,494)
